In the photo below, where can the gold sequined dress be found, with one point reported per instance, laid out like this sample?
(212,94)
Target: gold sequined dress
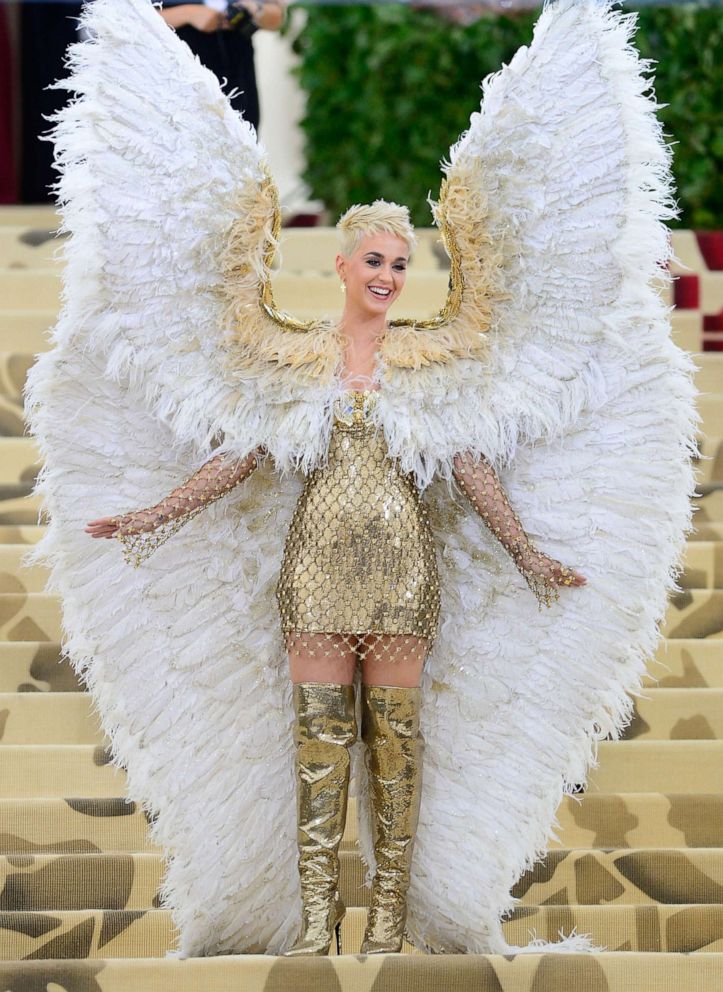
(359,557)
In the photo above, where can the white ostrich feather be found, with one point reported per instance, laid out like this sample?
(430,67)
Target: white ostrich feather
(581,399)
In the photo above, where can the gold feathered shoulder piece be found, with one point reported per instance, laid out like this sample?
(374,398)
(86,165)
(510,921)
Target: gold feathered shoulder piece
(258,332)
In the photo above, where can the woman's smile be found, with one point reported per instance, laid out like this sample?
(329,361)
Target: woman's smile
(380,292)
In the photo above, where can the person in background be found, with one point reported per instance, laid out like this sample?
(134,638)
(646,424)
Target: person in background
(220,34)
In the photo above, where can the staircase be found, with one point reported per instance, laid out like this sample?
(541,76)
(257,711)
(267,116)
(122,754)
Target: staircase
(639,860)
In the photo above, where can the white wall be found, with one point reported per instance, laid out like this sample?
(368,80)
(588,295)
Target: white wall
(282,106)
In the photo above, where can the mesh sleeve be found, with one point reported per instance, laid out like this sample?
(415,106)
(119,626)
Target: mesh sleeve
(480,483)
(142,531)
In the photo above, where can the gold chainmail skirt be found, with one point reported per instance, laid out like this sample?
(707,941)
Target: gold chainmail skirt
(359,568)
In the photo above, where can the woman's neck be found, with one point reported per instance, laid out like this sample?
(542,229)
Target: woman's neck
(361,339)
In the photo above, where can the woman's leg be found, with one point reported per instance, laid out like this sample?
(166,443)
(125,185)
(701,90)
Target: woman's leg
(322,670)
(393,659)
(390,729)
(321,657)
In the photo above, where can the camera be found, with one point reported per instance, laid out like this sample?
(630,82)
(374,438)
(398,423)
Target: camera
(240,19)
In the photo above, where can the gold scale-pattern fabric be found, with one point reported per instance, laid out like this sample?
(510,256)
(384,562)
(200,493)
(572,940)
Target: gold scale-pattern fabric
(359,558)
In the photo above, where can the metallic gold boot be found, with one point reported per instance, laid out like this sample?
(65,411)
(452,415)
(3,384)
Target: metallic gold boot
(390,729)
(324,731)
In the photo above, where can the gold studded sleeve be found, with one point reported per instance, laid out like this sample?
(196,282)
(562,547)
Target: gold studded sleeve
(479,481)
(142,531)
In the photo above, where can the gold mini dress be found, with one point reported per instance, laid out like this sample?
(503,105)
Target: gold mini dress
(359,557)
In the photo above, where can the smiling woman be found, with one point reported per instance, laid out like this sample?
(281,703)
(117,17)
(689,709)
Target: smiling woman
(358,557)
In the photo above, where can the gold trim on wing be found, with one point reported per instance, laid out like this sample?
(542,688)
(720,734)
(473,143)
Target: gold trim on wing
(453,301)
(281,318)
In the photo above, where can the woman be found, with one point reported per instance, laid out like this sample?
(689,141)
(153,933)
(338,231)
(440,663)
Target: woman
(358,581)
(369,448)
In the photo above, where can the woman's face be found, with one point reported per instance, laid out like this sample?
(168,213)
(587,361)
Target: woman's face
(375,273)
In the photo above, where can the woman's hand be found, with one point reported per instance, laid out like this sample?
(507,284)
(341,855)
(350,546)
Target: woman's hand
(550,569)
(126,523)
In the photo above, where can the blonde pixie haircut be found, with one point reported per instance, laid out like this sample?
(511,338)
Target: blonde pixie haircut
(374,218)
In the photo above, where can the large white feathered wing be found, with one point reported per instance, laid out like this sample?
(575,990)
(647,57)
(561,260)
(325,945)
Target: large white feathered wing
(588,410)
(182,656)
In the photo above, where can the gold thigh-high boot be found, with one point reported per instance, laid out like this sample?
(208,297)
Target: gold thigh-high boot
(324,731)
(390,730)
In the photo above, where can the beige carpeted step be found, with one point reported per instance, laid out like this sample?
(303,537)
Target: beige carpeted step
(687,330)
(708,509)
(43,216)
(710,408)
(709,373)
(21,510)
(685,662)
(80,826)
(658,766)
(36,616)
(706,530)
(610,972)
(30,248)
(29,292)
(50,882)
(70,717)
(53,718)
(675,714)
(19,461)
(694,613)
(703,564)
(642,819)
(58,770)
(132,934)
(21,533)
(47,882)
(31,616)
(592,820)
(709,467)
(592,877)
(25,331)
(36,666)
(631,876)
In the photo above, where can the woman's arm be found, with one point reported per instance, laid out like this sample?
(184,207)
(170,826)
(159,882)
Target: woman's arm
(142,531)
(480,483)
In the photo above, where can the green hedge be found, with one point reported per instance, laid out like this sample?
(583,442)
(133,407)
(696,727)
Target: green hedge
(389,89)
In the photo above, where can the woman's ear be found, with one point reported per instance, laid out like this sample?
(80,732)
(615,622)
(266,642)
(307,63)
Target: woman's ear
(340,265)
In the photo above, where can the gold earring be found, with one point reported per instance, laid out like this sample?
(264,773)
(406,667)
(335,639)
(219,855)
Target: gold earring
(343,286)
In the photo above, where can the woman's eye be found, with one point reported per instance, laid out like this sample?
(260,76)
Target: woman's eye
(373,261)
(401,268)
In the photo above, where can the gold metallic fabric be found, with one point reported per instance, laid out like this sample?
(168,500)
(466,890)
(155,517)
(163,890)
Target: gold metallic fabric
(359,555)
(390,730)
(324,730)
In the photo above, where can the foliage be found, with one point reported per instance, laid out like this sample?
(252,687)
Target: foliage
(389,89)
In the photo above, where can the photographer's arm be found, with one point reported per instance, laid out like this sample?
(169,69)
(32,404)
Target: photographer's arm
(142,531)
(480,483)
(266,14)
(196,15)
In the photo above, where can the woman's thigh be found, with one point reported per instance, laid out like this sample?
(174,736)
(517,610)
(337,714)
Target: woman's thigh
(393,659)
(321,658)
